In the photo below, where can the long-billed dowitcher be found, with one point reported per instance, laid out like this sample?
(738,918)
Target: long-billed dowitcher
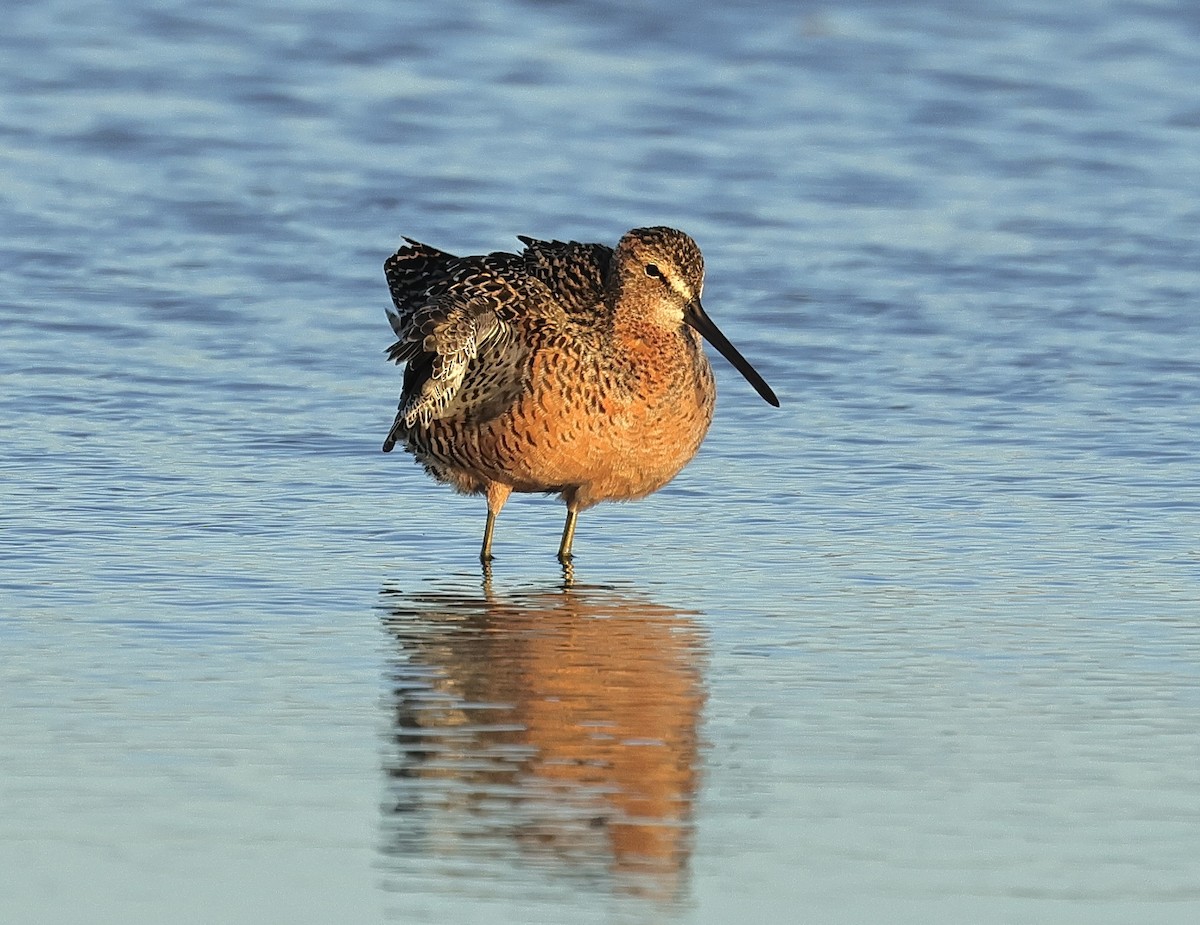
(568,368)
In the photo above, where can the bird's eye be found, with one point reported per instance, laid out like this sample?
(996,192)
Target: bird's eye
(653,270)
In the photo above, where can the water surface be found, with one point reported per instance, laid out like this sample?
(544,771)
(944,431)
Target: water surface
(921,645)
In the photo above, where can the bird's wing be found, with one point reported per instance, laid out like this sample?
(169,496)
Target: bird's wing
(440,342)
(454,315)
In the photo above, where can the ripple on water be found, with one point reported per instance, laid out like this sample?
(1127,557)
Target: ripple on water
(921,639)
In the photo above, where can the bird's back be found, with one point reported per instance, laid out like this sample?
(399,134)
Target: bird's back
(574,273)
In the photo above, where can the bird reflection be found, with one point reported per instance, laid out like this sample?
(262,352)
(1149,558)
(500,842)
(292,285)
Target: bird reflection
(555,727)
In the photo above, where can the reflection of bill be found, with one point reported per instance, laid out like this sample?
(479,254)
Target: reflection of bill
(562,724)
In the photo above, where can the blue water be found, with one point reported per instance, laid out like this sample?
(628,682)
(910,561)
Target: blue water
(921,645)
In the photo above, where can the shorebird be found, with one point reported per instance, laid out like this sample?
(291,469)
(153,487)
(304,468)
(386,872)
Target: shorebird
(572,369)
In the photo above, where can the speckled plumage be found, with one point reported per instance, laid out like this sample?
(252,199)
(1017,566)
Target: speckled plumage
(567,368)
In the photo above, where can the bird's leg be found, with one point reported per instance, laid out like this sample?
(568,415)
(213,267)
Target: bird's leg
(497,494)
(485,554)
(564,548)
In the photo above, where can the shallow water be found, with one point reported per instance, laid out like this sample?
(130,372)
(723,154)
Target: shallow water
(921,645)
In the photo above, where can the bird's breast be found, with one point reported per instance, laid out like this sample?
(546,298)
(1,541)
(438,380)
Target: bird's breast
(619,424)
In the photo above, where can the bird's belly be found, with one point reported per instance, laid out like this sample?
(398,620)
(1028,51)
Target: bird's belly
(602,454)
(634,473)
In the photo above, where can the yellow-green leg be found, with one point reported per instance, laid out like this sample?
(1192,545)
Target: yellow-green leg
(485,554)
(497,494)
(564,548)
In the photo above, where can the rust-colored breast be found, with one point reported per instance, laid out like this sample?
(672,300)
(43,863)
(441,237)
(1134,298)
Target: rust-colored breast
(609,421)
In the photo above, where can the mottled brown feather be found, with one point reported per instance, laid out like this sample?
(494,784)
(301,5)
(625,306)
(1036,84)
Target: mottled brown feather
(567,368)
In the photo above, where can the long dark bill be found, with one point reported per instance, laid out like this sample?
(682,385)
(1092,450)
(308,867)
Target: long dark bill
(697,317)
